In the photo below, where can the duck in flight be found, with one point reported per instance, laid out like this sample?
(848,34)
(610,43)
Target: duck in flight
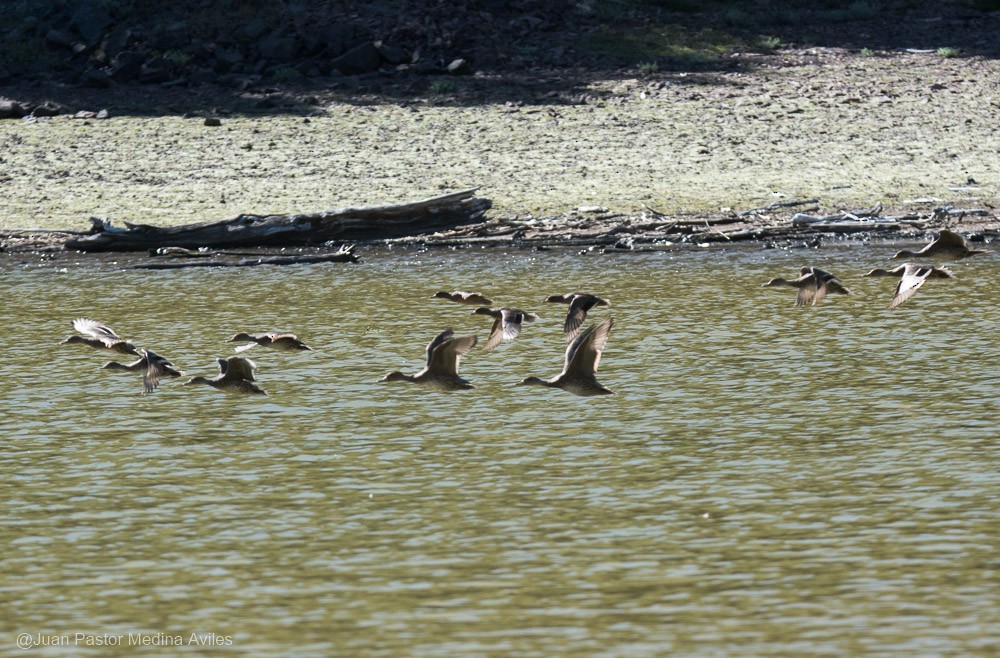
(912,276)
(236,375)
(271,339)
(579,304)
(583,355)
(441,372)
(464,297)
(813,285)
(100,337)
(152,366)
(506,323)
(947,246)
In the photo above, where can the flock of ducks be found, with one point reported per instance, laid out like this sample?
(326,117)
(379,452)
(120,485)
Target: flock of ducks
(583,354)
(237,374)
(815,284)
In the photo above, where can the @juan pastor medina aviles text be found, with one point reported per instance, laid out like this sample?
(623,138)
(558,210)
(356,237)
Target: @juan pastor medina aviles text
(30,640)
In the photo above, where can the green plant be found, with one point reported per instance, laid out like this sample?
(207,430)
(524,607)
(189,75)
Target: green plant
(647,69)
(768,43)
(867,52)
(442,86)
(737,18)
(947,52)
(177,58)
(287,74)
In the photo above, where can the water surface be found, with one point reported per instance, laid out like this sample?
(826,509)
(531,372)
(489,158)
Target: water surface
(768,480)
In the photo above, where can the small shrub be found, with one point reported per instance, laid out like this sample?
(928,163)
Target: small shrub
(768,43)
(646,69)
(947,52)
(287,74)
(177,58)
(867,52)
(442,86)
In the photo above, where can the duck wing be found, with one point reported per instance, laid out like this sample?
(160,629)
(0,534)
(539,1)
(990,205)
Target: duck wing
(446,355)
(578,308)
(513,318)
(435,342)
(808,285)
(948,240)
(97,330)
(913,277)
(583,355)
(157,367)
(239,367)
(497,334)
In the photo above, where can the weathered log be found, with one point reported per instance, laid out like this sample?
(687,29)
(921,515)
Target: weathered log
(344,255)
(360,223)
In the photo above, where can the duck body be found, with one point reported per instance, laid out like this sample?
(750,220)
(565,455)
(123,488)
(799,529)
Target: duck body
(441,372)
(813,285)
(947,246)
(507,323)
(274,340)
(579,304)
(100,337)
(237,374)
(464,297)
(583,355)
(911,277)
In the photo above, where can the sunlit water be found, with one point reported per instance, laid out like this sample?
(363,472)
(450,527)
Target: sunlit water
(768,480)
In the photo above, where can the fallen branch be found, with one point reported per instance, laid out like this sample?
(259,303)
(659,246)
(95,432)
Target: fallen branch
(344,255)
(775,206)
(361,223)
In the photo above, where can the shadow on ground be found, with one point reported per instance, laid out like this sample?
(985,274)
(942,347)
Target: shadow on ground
(558,59)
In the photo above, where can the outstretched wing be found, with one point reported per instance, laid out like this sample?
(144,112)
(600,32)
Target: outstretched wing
(240,367)
(449,352)
(497,335)
(96,329)
(913,277)
(437,340)
(583,356)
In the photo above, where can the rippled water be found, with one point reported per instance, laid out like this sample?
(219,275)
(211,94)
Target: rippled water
(769,480)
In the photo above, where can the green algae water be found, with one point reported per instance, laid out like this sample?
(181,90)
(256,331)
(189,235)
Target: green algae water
(767,481)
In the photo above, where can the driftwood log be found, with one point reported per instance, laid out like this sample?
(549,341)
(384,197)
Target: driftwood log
(360,223)
(222,259)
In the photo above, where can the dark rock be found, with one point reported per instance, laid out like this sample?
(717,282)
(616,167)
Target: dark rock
(11,109)
(174,37)
(203,77)
(277,48)
(60,38)
(226,59)
(333,40)
(90,21)
(460,67)
(115,42)
(95,77)
(47,109)
(158,69)
(213,121)
(426,67)
(255,29)
(363,58)
(392,54)
(126,65)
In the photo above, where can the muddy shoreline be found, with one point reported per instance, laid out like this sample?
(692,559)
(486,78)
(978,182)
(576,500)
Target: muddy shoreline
(621,162)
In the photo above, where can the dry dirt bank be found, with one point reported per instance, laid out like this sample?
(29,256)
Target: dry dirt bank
(911,131)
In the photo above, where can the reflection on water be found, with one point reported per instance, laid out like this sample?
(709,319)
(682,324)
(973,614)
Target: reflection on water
(768,480)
